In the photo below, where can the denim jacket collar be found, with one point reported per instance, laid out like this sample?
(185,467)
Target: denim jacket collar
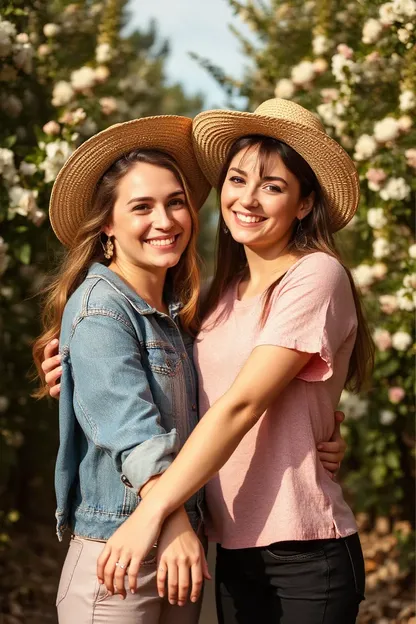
(142,307)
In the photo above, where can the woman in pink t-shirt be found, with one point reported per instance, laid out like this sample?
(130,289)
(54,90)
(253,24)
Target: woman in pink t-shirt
(283,333)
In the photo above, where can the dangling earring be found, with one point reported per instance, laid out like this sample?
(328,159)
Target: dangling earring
(225,229)
(108,248)
(300,234)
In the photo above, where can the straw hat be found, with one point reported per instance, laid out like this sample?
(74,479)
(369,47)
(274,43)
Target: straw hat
(215,131)
(75,184)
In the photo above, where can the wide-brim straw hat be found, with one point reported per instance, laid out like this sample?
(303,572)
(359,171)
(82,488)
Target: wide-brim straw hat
(75,184)
(215,131)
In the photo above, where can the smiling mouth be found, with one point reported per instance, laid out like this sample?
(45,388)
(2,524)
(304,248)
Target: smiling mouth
(162,242)
(245,218)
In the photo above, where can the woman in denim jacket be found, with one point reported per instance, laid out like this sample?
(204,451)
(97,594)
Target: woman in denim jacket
(124,302)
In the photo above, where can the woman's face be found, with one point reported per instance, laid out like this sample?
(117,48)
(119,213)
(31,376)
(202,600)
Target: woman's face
(151,223)
(261,210)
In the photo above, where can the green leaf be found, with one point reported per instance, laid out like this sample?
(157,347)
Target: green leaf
(24,253)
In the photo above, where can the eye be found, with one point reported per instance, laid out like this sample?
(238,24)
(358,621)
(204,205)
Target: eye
(178,202)
(141,208)
(236,180)
(273,188)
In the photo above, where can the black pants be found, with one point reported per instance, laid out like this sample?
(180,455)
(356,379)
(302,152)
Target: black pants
(315,582)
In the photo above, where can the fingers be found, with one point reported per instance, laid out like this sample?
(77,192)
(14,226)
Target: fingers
(52,377)
(101,563)
(172,583)
(205,569)
(197,571)
(50,350)
(119,576)
(55,391)
(183,583)
(331,467)
(109,570)
(162,573)
(339,417)
(133,573)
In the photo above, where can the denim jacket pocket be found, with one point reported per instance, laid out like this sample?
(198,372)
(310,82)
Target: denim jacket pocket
(72,558)
(163,359)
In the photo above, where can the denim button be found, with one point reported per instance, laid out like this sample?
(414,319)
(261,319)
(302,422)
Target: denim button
(126,481)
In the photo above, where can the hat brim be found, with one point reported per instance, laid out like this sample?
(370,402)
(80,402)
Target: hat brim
(75,184)
(215,131)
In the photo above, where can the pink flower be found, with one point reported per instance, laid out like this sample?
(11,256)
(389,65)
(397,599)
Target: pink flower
(388,304)
(373,57)
(396,394)
(411,157)
(51,128)
(345,51)
(377,176)
(382,339)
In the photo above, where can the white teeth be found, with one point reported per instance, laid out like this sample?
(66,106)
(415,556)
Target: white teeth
(248,218)
(161,242)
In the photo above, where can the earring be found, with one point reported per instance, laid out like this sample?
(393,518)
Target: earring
(108,248)
(225,229)
(300,237)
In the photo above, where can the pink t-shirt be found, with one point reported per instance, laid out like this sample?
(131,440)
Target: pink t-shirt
(273,487)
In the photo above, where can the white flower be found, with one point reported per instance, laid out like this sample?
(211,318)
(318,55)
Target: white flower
(376,218)
(22,38)
(83,78)
(387,417)
(101,73)
(22,201)
(386,130)
(412,249)
(320,45)
(7,168)
(363,275)
(57,153)
(11,105)
(403,35)
(404,8)
(381,248)
(44,50)
(108,105)
(405,122)
(401,340)
(395,188)
(320,65)
(51,30)
(23,56)
(62,93)
(382,339)
(379,270)
(339,64)
(404,299)
(387,14)
(38,217)
(4,404)
(284,89)
(103,53)
(388,304)
(303,73)
(407,100)
(353,407)
(27,169)
(7,35)
(365,147)
(329,95)
(88,128)
(371,30)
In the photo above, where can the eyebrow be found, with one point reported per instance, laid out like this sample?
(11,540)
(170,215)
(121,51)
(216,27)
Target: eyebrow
(266,178)
(141,199)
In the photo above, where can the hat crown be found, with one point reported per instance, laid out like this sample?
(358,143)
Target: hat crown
(290,111)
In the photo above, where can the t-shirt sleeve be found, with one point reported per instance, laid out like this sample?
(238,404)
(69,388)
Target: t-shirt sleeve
(314,312)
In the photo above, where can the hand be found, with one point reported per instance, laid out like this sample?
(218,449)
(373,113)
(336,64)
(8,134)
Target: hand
(129,546)
(332,453)
(179,553)
(52,368)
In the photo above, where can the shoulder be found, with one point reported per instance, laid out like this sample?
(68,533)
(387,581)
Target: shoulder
(320,269)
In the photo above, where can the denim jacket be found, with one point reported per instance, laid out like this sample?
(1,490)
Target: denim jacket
(127,404)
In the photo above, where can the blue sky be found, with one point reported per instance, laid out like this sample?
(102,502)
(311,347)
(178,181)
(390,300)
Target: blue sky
(199,26)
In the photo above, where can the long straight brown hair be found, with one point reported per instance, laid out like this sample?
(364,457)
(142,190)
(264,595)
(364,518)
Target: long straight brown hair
(314,235)
(183,280)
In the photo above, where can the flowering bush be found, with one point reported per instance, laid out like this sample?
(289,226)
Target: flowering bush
(355,66)
(65,72)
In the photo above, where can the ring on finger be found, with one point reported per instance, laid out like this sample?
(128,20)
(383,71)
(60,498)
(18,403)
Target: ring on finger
(123,566)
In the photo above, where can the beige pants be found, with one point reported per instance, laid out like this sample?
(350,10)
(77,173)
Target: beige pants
(82,600)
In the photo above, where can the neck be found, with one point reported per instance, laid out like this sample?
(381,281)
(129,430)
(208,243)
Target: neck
(148,284)
(266,266)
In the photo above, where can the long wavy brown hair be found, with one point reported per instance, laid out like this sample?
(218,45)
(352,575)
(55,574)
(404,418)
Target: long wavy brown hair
(314,235)
(183,280)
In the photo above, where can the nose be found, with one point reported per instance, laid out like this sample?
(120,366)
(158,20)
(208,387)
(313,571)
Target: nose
(163,219)
(248,199)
